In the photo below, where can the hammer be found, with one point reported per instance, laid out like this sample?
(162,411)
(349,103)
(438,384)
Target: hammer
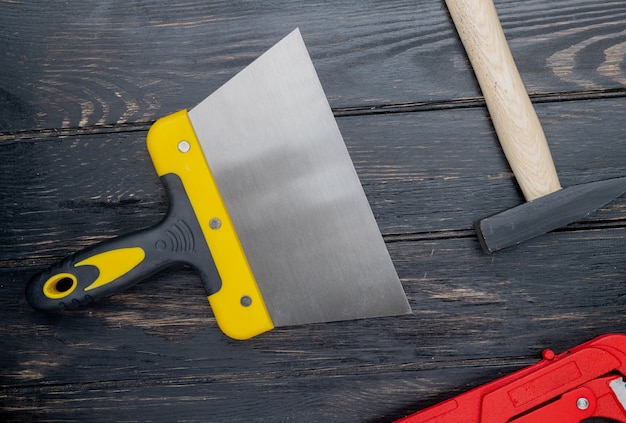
(519,131)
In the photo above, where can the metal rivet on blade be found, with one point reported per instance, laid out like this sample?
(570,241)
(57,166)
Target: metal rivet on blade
(246,301)
(184,146)
(215,223)
(582,403)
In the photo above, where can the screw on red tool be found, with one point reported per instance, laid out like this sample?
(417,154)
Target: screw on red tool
(585,381)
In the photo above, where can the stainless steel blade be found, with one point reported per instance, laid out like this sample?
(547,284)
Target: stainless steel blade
(287,180)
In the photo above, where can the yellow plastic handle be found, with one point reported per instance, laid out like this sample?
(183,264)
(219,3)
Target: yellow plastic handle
(196,231)
(238,306)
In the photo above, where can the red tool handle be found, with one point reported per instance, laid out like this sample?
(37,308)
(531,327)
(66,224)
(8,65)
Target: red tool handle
(574,385)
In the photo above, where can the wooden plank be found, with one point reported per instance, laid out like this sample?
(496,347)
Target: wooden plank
(428,174)
(335,398)
(475,317)
(466,305)
(134,62)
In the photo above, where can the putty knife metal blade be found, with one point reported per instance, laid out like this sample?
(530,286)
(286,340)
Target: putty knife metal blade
(292,192)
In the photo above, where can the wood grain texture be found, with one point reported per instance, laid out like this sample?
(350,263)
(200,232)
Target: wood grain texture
(80,85)
(513,116)
(135,61)
(422,179)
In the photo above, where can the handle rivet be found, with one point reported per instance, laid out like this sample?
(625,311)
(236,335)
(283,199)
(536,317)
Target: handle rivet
(215,223)
(184,146)
(246,301)
(582,403)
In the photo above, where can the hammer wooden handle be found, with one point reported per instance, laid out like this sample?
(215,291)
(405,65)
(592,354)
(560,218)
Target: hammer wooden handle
(511,110)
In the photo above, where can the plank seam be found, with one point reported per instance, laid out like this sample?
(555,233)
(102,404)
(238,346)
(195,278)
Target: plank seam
(339,112)
(246,377)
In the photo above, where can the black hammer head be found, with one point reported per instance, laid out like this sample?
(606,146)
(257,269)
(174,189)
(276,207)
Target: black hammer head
(546,213)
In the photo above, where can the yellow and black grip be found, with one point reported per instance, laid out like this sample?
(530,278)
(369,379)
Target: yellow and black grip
(111,266)
(197,231)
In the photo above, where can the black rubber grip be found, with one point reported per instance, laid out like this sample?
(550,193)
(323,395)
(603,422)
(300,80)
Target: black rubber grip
(111,266)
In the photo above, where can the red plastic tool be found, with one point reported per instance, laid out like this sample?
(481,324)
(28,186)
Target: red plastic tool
(585,381)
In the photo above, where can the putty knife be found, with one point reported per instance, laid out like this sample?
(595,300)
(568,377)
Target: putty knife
(264,203)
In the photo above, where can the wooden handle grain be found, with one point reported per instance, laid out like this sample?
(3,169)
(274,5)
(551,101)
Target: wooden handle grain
(511,110)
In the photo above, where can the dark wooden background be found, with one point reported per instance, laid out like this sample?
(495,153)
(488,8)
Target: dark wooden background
(80,84)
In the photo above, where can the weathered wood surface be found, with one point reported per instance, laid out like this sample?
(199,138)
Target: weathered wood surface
(91,63)
(82,81)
